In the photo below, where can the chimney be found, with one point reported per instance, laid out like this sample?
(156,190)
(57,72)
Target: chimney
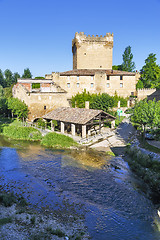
(87,104)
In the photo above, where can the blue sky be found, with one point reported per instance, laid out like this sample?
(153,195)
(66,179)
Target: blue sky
(38,33)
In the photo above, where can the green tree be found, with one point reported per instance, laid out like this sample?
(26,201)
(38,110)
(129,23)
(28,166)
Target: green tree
(3,102)
(139,84)
(39,78)
(128,64)
(102,102)
(2,82)
(146,114)
(15,77)
(18,108)
(117,67)
(150,72)
(8,78)
(27,73)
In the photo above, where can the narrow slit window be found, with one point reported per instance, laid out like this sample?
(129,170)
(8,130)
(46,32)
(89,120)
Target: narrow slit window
(92,85)
(68,85)
(108,85)
(121,77)
(77,85)
(121,85)
(108,77)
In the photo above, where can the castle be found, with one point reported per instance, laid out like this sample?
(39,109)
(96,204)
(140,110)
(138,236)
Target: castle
(92,71)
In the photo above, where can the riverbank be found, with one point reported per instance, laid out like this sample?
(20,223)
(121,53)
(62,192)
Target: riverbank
(14,129)
(19,221)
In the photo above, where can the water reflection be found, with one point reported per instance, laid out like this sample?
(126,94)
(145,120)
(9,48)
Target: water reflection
(88,159)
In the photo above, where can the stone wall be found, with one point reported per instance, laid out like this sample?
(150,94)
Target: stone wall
(143,93)
(96,84)
(40,103)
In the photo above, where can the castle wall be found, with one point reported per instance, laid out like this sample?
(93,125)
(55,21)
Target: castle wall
(143,93)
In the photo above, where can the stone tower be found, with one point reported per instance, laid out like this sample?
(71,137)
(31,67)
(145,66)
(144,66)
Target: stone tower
(92,52)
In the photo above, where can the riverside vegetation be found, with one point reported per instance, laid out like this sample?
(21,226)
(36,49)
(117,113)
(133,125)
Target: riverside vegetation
(147,168)
(15,130)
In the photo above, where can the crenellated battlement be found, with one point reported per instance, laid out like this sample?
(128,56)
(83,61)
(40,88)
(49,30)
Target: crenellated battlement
(147,89)
(81,37)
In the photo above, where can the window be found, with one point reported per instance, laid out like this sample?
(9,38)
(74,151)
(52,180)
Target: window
(85,54)
(121,77)
(68,77)
(108,77)
(44,107)
(108,85)
(100,66)
(92,84)
(92,78)
(77,85)
(121,85)
(68,85)
(77,78)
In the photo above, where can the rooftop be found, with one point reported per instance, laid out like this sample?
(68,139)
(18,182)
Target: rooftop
(75,115)
(91,72)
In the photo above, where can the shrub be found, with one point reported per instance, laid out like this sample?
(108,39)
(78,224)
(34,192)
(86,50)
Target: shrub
(57,141)
(7,199)
(22,133)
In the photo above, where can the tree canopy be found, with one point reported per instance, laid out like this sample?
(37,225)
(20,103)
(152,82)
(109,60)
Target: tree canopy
(150,72)
(146,114)
(128,64)
(27,73)
(18,108)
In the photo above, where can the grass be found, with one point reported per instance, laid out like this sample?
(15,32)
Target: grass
(5,220)
(58,232)
(4,122)
(144,144)
(7,199)
(57,141)
(22,133)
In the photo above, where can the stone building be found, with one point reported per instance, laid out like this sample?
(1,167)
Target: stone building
(92,71)
(41,100)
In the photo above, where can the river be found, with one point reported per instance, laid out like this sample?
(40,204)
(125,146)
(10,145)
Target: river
(109,198)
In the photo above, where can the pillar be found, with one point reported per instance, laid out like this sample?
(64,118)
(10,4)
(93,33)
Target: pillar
(83,131)
(52,126)
(113,124)
(87,104)
(62,127)
(73,129)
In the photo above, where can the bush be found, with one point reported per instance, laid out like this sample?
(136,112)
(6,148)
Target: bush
(57,141)
(98,101)
(146,168)
(7,199)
